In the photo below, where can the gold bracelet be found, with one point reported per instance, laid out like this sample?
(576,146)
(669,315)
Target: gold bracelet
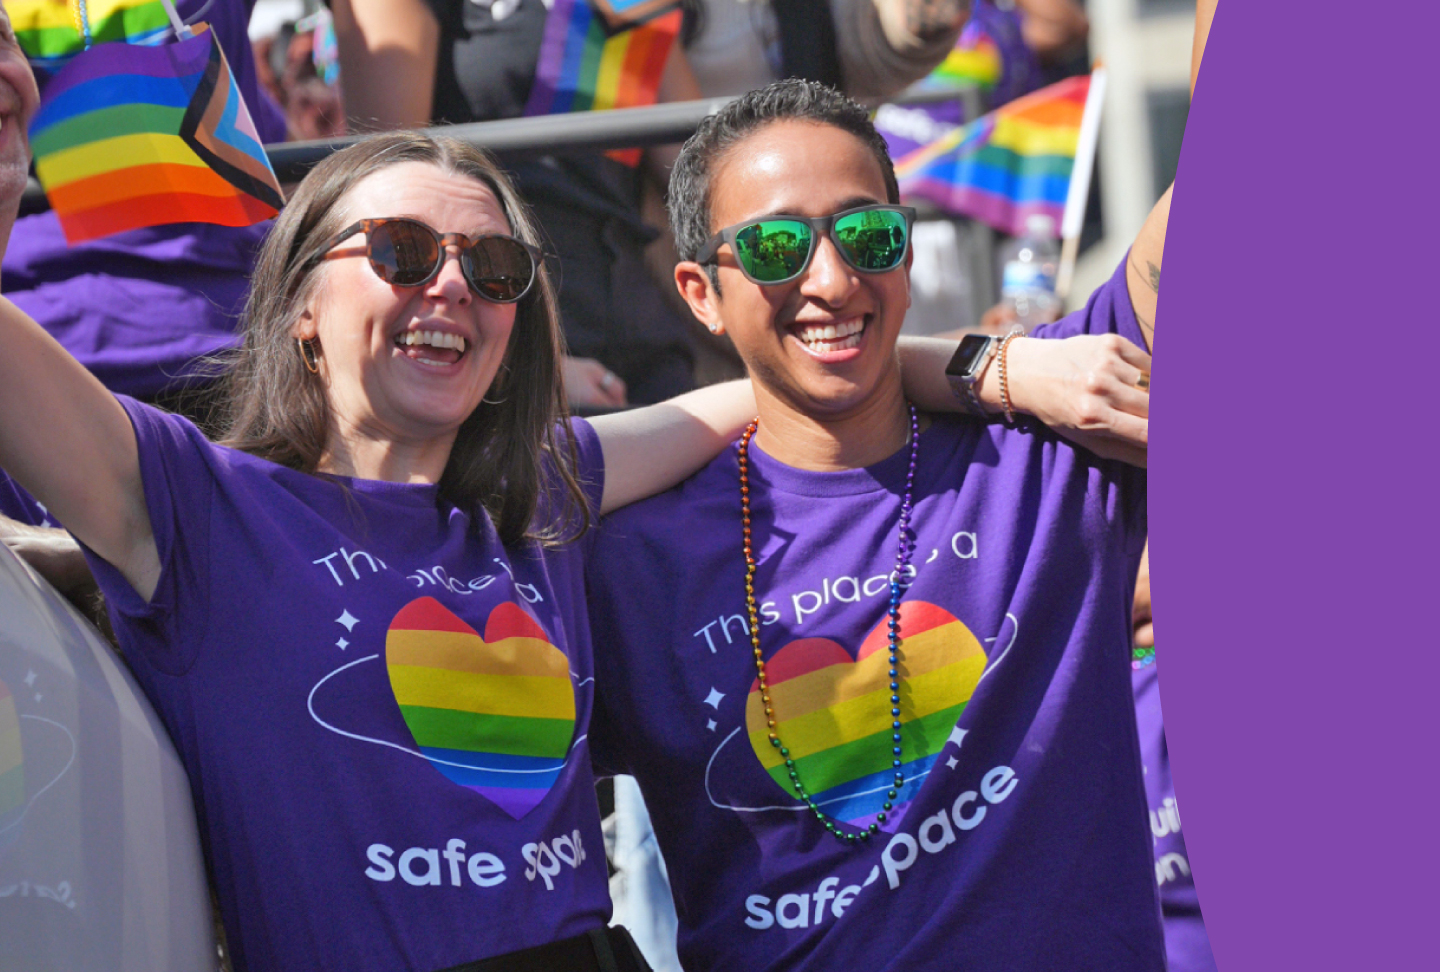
(1004,375)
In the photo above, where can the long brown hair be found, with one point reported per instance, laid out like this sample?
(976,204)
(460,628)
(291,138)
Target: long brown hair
(276,409)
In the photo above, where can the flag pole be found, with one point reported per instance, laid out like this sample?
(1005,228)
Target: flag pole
(1079,194)
(182,31)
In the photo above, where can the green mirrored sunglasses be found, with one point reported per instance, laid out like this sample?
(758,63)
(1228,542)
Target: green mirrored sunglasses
(775,249)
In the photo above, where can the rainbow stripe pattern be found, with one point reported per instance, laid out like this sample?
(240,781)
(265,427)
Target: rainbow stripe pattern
(49,30)
(603,54)
(130,136)
(1007,164)
(493,713)
(12,761)
(975,59)
(833,711)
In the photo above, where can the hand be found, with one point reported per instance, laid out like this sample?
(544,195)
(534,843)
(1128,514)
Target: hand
(589,384)
(1084,388)
(53,554)
(1053,29)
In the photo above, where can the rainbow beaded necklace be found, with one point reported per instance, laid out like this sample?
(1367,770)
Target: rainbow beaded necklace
(906,546)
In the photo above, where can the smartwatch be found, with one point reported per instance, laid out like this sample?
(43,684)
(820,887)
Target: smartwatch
(967,367)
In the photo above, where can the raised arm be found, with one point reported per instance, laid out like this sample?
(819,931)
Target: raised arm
(1142,270)
(67,440)
(886,45)
(388,53)
(62,435)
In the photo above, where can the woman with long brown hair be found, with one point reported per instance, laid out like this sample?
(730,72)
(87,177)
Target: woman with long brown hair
(361,618)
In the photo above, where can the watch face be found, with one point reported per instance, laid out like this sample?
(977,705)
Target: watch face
(970,353)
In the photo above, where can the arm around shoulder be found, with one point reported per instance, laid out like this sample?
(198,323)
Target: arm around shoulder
(388,53)
(648,450)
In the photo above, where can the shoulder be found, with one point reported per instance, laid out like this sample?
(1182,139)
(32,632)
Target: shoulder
(680,507)
(1107,311)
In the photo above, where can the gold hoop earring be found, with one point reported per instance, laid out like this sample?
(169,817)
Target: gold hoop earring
(308,355)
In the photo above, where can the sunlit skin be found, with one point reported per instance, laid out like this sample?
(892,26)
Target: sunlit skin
(18,100)
(395,417)
(841,408)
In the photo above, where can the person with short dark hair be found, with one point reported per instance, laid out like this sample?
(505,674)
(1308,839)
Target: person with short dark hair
(869,665)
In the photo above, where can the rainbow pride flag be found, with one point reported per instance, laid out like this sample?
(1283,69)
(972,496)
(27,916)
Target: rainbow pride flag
(49,31)
(599,54)
(975,59)
(130,136)
(1005,165)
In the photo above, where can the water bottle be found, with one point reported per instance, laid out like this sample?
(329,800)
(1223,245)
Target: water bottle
(1027,282)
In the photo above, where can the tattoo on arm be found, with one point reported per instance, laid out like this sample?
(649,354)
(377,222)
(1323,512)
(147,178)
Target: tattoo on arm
(927,19)
(1151,275)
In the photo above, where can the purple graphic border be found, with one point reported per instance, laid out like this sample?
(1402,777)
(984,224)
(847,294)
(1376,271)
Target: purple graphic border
(1293,509)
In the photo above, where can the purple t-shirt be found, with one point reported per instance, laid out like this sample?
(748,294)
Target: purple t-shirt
(381,709)
(1019,840)
(137,308)
(1186,943)
(19,505)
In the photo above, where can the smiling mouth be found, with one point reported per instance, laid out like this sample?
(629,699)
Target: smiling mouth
(434,348)
(832,337)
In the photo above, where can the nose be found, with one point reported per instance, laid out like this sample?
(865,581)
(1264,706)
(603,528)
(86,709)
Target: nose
(450,284)
(829,278)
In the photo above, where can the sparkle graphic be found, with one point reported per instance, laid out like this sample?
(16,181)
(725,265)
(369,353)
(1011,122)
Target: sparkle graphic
(30,677)
(710,724)
(348,620)
(957,736)
(713,699)
(952,762)
(342,644)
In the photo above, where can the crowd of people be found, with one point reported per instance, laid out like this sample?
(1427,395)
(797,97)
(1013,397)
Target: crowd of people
(859,624)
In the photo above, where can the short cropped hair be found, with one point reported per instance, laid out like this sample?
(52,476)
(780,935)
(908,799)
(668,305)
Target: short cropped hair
(793,100)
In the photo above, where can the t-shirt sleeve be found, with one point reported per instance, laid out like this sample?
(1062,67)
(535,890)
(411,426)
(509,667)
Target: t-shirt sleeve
(1108,311)
(21,506)
(590,464)
(177,470)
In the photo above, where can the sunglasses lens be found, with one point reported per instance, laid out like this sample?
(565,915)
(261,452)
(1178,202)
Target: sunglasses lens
(773,250)
(403,253)
(499,268)
(873,239)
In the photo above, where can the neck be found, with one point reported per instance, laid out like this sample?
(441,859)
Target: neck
(861,436)
(355,453)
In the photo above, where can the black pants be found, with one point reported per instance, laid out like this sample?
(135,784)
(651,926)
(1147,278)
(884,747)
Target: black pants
(599,950)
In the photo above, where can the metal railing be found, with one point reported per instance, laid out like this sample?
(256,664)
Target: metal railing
(514,139)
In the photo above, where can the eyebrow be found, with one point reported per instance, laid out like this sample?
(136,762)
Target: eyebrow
(854,202)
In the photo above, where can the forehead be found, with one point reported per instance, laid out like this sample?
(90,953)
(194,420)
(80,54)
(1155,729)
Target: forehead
(448,201)
(797,167)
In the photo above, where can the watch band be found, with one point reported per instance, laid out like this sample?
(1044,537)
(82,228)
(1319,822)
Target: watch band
(968,367)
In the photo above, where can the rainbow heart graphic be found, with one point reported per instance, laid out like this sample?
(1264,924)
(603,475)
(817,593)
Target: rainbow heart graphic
(493,713)
(833,711)
(12,762)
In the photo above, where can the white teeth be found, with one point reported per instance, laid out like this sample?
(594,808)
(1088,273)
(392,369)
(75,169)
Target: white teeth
(435,339)
(845,334)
